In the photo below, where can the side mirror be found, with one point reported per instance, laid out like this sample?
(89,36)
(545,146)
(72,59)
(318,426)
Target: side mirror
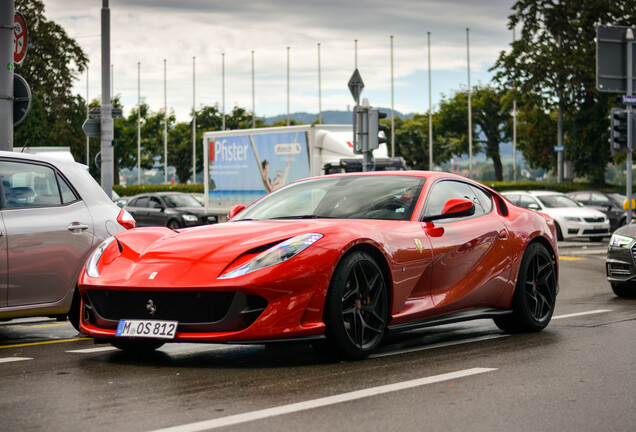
(235,210)
(454,208)
(534,206)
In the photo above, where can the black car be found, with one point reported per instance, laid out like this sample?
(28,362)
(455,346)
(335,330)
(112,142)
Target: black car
(619,264)
(171,209)
(610,203)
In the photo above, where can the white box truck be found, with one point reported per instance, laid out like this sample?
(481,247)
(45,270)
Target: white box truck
(240,166)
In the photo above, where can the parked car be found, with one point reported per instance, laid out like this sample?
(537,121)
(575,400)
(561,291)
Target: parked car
(610,203)
(572,218)
(169,209)
(52,215)
(619,263)
(339,260)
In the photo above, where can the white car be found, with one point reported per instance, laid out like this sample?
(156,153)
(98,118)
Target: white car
(572,219)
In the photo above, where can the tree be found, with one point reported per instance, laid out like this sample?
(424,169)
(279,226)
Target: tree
(553,63)
(53,62)
(412,143)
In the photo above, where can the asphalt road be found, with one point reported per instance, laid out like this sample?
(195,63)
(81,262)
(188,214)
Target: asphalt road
(576,375)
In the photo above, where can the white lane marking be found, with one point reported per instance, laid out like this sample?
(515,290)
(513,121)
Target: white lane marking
(93,350)
(13,359)
(598,311)
(439,345)
(321,402)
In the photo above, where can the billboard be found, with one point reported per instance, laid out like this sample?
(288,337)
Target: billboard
(243,168)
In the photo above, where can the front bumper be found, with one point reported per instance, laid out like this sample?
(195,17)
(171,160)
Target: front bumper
(620,266)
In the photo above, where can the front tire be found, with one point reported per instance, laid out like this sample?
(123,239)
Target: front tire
(174,224)
(624,290)
(535,293)
(356,308)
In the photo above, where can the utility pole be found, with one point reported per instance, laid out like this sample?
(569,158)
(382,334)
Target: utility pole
(7,45)
(106,117)
(194,123)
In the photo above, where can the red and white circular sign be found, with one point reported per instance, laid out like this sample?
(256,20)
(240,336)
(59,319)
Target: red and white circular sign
(21,38)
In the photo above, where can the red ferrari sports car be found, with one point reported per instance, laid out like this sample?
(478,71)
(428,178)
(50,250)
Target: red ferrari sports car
(342,258)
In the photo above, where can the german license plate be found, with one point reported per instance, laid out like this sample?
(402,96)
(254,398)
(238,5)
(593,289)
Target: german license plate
(147,328)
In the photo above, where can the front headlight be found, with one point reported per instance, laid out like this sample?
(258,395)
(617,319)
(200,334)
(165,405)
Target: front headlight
(618,240)
(572,219)
(91,264)
(275,255)
(190,218)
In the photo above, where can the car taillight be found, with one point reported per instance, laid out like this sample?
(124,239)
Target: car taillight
(126,220)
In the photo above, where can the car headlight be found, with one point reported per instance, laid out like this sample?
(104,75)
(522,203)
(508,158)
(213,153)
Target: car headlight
(275,255)
(618,240)
(190,218)
(91,264)
(572,219)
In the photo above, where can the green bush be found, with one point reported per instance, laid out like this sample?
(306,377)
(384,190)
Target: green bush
(131,190)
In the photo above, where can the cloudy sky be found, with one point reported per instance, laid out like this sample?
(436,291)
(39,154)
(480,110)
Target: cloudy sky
(149,31)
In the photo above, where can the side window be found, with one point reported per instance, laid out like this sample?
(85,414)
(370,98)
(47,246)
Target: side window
(582,197)
(68,196)
(484,198)
(445,190)
(528,202)
(29,185)
(598,199)
(141,202)
(155,203)
(514,198)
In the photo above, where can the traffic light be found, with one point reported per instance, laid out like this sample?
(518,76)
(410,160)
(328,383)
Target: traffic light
(360,129)
(375,127)
(619,119)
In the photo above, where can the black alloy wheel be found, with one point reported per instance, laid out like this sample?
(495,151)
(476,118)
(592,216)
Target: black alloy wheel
(356,308)
(535,293)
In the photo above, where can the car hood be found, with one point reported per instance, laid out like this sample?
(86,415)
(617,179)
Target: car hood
(180,258)
(627,230)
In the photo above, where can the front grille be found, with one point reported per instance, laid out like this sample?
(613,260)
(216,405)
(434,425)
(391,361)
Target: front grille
(195,311)
(634,252)
(594,219)
(185,307)
(596,231)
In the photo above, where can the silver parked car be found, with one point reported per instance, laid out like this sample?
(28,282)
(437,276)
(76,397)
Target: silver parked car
(52,215)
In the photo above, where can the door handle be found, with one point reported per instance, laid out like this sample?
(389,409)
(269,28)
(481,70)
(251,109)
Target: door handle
(77,226)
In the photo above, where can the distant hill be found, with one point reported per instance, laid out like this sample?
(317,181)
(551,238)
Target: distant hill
(328,117)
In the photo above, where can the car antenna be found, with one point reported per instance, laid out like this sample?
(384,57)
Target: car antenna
(24,146)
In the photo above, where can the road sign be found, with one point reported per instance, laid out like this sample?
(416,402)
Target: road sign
(20,34)
(629,100)
(559,148)
(92,127)
(21,99)
(611,59)
(356,85)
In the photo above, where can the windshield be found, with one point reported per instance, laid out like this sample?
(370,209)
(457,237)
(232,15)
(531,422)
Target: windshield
(557,201)
(181,200)
(351,197)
